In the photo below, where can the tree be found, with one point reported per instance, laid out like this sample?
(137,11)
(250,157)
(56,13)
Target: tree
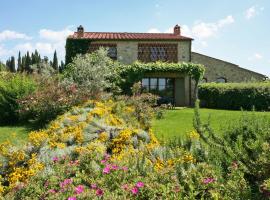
(61,67)
(27,62)
(92,73)
(55,61)
(12,64)
(23,64)
(19,69)
(8,64)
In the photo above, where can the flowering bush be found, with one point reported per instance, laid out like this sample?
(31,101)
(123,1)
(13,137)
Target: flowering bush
(43,105)
(102,151)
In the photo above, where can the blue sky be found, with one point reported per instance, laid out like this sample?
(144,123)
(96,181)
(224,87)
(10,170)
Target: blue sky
(236,31)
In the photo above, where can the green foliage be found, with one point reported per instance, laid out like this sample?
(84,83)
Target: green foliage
(235,95)
(49,100)
(2,67)
(42,68)
(55,62)
(244,143)
(75,47)
(133,73)
(13,87)
(92,73)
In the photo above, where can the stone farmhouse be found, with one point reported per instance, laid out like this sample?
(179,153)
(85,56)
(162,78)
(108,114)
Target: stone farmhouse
(167,47)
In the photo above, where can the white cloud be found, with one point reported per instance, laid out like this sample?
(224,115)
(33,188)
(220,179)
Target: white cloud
(203,30)
(52,35)
(11,35)
(250,13)
(153,30)
(255,56)
(253,11)
(226,21)
(24,47)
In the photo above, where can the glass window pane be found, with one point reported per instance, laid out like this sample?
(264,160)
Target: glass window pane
(145,84)
(161,84)
(153,83)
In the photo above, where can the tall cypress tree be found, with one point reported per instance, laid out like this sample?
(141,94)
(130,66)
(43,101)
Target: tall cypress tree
(23,64)
(12,64)
(19,69)
(55,61)
(27,62)
(8,64)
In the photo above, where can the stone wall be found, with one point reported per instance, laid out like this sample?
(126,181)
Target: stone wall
(184,50)
(216,68)
(127,51)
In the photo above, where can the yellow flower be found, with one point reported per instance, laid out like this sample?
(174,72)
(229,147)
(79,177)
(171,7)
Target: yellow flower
(103,137)
(37,137)
(194,135)
(188,158)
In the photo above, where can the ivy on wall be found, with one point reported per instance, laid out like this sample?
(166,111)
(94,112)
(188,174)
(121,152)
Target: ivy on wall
(76,46)
(135,72)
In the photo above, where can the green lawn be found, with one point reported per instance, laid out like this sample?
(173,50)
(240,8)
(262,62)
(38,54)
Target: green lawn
(179,121)
(15,134)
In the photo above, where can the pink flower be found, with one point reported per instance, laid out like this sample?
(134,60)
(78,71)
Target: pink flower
(208,180)
(99,192)
(124,168)
(115,167)
(53,191)
(79,189)
(124,187)
(103,161)
(106,170)
(72,198)
(55,159)
(65,182)
(139,184)
(93,186)
(135,190)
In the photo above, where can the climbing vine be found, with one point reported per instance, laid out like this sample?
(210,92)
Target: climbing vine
(135,72)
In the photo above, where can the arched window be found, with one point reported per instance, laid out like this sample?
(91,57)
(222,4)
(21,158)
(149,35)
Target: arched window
(204,80)
(221,80)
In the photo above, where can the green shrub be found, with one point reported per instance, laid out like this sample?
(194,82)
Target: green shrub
(13,87)
(49,100)
(235,95)
(92,72)
(244,143)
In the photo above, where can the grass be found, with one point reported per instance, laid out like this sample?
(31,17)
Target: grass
(15,134)
(180,121)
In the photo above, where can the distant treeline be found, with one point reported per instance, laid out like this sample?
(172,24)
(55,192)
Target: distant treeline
(24,62)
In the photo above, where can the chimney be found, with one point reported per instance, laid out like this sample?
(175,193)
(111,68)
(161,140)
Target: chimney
(176,30)
(80,31)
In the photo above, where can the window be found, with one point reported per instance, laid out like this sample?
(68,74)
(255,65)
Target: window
(204,80)
(153,85)
(145,84)
(221,80)
(161,84)
(148,52)
(112,49)
(163,87)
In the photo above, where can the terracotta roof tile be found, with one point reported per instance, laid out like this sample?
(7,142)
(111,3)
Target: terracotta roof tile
(128,36)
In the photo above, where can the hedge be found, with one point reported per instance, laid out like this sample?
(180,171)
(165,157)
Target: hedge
(135,72)
(235,96)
